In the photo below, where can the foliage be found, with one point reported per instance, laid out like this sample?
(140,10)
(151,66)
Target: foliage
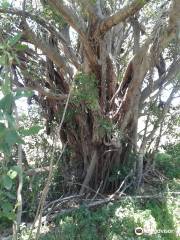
(9,50)
(116,221)
(51,14)
(169,162)
(10,134)
(63,43)
(85,90)
(119,220)
(7,193)
(105,126)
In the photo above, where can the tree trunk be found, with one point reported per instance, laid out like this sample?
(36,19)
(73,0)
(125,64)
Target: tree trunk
(100,127)
(96,150)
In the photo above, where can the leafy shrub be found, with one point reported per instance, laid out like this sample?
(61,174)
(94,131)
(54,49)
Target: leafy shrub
(169,162)
(85,90)
(116,221)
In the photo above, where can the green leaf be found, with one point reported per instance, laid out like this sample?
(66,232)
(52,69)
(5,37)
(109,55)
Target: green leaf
(31,131)
(10,119)
(6,103)
(1,114)
(8,210)
(5,148)
(6,87)
(16,169)
(7,182)
(2,128)
(3,60)
(7,207)
(3,131)
(16,59)
(12,138)
(2,46)
(20,93)
(11,216)
(13,40)
(5,4)
(10,195)
(21,47)
(12,174)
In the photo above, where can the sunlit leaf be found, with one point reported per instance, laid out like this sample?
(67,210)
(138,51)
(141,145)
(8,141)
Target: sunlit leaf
(6,103)
(12,138)
(13,40)
(21,47)
(5,4)
(12,174)
(31,131)
(6,86)
(3,60)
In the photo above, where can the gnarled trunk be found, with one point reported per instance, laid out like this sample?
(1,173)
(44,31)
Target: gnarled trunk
(97,151)
(99,130)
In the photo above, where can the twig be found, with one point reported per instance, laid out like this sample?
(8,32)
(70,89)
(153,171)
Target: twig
(101,202)
(44,92)
(35,171)
(62,200)
(44,195)
(80,184)
(129,175)
(16,226)
(97,192)
(46,188)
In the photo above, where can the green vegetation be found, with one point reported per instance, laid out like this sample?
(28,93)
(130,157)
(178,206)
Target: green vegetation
(119,221)
(85,90)
(89,120)
(169,162)
(159,216)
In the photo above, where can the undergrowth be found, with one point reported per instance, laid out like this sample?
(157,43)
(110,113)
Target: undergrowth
(158,217)
(119,220)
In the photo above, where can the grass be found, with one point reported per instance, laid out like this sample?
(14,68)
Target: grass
(118,221)
(159,218)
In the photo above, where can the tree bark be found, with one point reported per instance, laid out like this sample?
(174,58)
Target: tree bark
(98,140)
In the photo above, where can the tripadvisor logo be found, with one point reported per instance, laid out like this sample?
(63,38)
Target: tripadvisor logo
(139,231)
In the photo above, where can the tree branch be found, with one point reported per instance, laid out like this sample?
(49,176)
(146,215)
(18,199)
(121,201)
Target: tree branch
(68,15)
(93,9)
(20,185)
(172,71)
(60,36)
(143,61)
(44,92)
(164,112)
(73,21)
(121,15)
(46,48)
